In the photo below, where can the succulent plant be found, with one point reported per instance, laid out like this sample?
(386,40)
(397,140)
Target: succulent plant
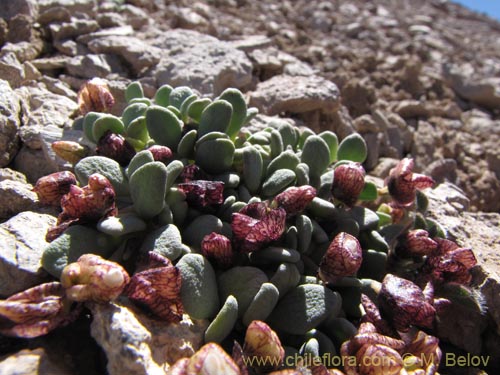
(274,234)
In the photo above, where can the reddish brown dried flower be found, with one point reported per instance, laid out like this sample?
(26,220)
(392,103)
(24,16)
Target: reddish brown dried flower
(36,311)
(51,188)
(369,352)
(343,258)
(450,263)
(263,346)
(348,183)
(92,278)
(378,359)
(426,353)
(373,316)
(295,199)
(416,243)
(70,151)
(256,225)
(192,172)
(158,288)
(161,153)
(202,193)
(217,247)
(116,147)
(404,304)
(403,183)
(211,359)
(94,96)
(239,358)
(89,203)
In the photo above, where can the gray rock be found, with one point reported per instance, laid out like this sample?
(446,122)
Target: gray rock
(34,362)
(110,19)
(58,87)
(383,167)
(15,197)
(21,248)
(90,65)
(297,94)
(4,30)
(10,121)
(365,124)
(137,344)
(55,14)
(252,42)
(340,122)
(201,62)
(70,48)
(13,175)
(33,163)
(480,232)
(112,31)
(136,52)
(9,9)
(269,62)
(442,170)
(411,108)
(11,69)
(482,91)
(24,51)
(87,7)
(134,16)
(186,18)
(73,28)
(358,96)
(21,29)
(44,108)
(51,63)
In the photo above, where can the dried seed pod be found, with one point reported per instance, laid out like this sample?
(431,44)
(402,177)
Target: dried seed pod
(158,288)
(211,359)
(451,263)
(95,96)
(50,189)
(92,278)
(378,359)
(36,311)
(404,304)
(343,258)
(161,153)
(425,348)
(263,225)
(263,343)
(116,147)
(416,243)
(403,183)
(91,202)
(202,193)
(70,151)
(348,183)
(295,199)
(217,247)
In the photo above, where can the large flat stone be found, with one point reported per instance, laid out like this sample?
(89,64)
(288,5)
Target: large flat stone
(22,241)
(201,62)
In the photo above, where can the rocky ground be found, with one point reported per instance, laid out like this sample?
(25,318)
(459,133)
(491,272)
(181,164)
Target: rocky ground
(414,78)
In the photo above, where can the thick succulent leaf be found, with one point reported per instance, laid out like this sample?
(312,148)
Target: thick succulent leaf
(148,189)
(199,286)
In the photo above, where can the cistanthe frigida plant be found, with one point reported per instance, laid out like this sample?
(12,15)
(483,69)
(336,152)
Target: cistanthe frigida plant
(276,237)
